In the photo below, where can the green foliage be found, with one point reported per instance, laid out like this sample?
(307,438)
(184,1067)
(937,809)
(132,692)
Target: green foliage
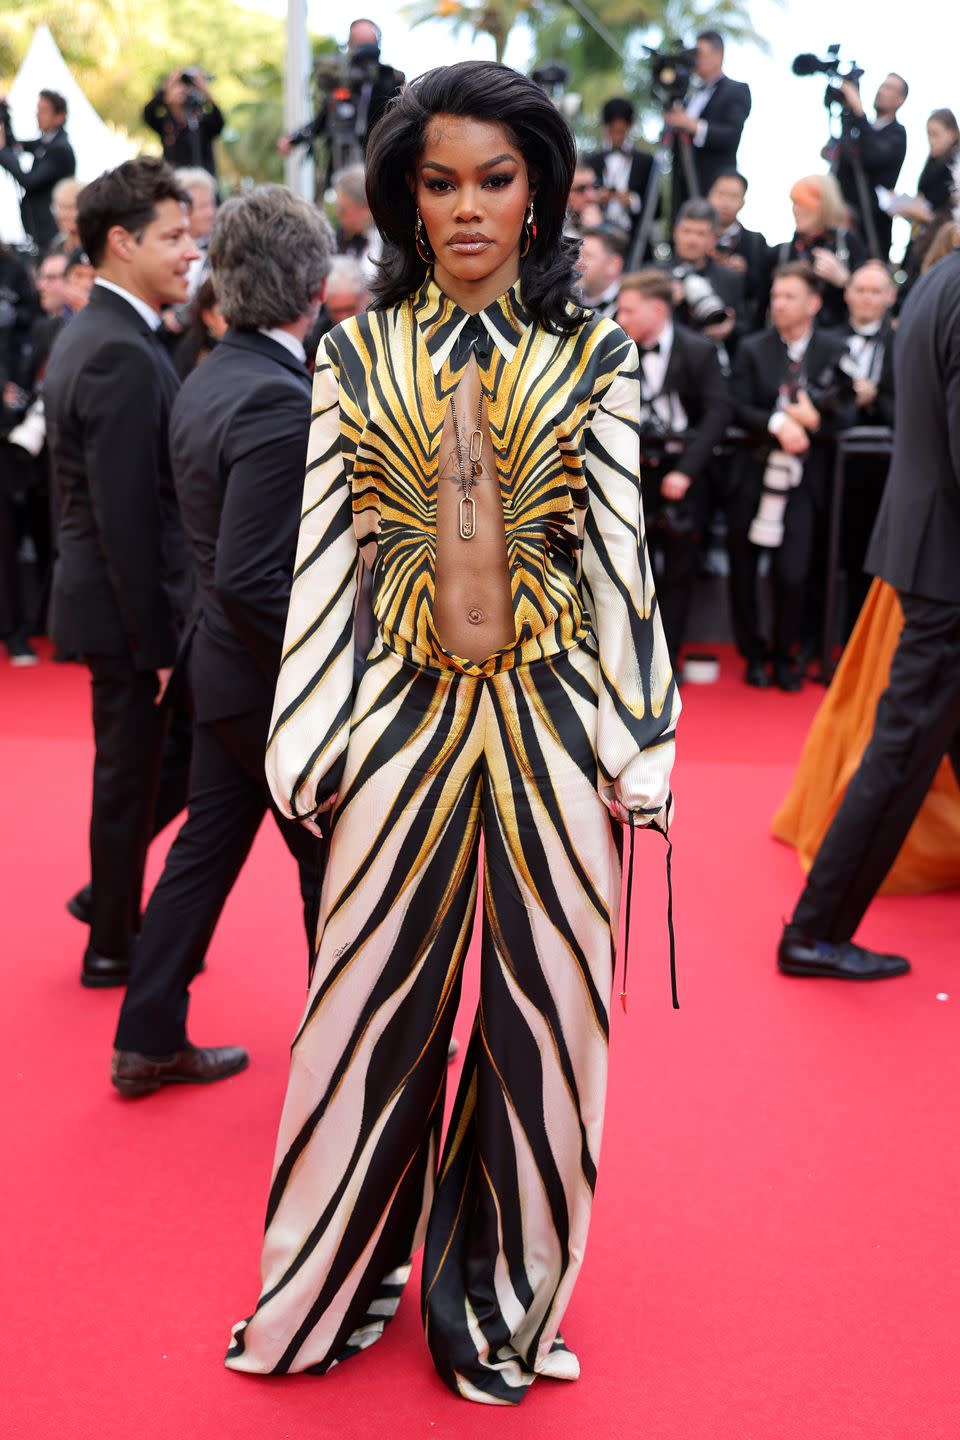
(121,51)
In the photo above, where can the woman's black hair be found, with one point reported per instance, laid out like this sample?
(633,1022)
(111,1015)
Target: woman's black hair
(478,90)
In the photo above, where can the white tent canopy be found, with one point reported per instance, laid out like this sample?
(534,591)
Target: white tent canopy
(95,145)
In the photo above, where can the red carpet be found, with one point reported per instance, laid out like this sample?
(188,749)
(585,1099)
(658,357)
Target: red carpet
(774,1249)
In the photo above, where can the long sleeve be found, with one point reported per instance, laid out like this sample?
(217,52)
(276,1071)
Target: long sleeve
(311,714)
(638,701)
(123,428)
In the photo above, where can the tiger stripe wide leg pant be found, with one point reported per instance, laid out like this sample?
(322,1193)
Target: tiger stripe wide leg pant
(435,757)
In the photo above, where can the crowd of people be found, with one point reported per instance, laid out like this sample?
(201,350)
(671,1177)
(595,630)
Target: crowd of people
(770,413)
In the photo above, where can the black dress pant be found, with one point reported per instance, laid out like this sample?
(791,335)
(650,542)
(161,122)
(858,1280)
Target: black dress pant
(791,565)
(674,554)
(863,490)
(11,611)
(227,801)
(130,730)
(917,723)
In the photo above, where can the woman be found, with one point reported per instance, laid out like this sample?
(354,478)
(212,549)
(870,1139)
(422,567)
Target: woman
(204,332)
(822,238)
(475,443)
(931,207)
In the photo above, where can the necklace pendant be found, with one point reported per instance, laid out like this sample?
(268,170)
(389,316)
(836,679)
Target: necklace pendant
(476,447)
(468,517)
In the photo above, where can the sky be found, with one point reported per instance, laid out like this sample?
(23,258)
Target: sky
(788,124)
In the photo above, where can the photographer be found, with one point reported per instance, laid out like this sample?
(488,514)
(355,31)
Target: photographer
(622,172)
(372,86)
(737,248)
(685,409)
(881,145)
(717,304)
(713,116)
(185,116)
(791,393)
(53,160)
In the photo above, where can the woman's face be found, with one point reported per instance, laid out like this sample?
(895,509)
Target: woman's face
(940,137)
(807,218)
(472,191)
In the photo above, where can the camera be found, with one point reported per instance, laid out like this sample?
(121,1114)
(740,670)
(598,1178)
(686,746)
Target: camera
(194,100)
(782,474)
(662,449)
(671,72)
(703,303)
(808,64)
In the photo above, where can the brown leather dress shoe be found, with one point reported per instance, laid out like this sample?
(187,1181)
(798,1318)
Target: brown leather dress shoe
(133,1074)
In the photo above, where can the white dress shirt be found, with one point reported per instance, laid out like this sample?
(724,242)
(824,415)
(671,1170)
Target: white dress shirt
(654,364)
(146,311)
(695,105)
(288,341)
(795,353)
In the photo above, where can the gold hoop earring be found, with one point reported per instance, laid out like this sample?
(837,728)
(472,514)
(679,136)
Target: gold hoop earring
(419,243)
(529,230)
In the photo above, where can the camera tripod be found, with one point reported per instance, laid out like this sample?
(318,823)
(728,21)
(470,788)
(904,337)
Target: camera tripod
(671,146)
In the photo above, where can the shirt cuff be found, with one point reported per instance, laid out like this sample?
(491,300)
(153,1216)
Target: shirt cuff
(636,202)
(700,134)
(775,423)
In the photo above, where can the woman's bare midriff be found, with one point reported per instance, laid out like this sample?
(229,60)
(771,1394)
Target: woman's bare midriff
(473,606)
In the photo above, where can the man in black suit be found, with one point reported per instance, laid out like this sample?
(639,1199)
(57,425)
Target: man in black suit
(686,409)
(869,333)
(914,548)
(694,243)
(712,118)
(622,172)
(53,160)
(791,393)
(121,586)
(239,439)
(743,251)
(881,145)
(600,267)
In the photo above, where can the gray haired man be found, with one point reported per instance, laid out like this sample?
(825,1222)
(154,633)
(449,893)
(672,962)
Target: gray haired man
(238,441)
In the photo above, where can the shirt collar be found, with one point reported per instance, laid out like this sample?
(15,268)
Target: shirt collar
(288,341)
(441,320)
(145,311)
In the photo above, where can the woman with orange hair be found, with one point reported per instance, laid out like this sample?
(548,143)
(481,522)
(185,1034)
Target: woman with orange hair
(822,239)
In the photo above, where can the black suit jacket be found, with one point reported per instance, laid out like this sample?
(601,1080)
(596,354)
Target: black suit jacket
(916,541)
(694,375)
(753,249)
(725,114)
(759,371)
(53,161)
(122,579)
(881,411)
(184,144)
(882,153)
(238,439)
(641,164)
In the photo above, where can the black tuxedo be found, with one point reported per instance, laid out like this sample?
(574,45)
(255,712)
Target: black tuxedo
(641,164)
(752,248)
(724,115)
(694,376)
(882,151)
(53,160)
(238,441)
(915,548)
(760,370)
(121,585)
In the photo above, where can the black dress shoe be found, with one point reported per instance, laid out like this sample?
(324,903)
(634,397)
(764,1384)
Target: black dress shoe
(800,954)
(79,905)
(134,1074)
(756,674)
(100,972)
(786,677)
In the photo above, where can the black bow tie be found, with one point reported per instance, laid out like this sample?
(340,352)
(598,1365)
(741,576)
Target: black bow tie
(866,334)
(474,339)
(653,349)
